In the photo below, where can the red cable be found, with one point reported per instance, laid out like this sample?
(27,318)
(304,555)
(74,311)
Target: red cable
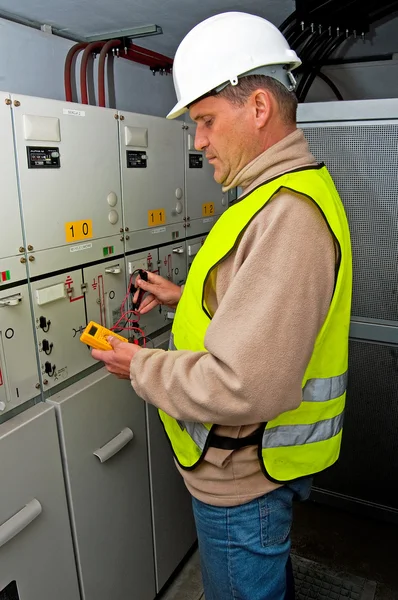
(101,69)
(68,69)
(83,68)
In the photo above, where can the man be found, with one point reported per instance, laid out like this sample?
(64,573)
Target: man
(252,395)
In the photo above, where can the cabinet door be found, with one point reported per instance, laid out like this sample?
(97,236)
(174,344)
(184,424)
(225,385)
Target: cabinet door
(103,433)
(173,523)
(204,196)
(152,165)
(174,526)
(17,347)
(69,172)
(36,552)
(11,233)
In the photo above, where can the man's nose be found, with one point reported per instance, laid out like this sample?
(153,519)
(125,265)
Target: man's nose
(201,141)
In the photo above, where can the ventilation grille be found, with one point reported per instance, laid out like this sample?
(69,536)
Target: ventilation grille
(363,161)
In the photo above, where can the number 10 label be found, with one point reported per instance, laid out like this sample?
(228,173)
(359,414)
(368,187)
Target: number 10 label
(79,230)
(156,217)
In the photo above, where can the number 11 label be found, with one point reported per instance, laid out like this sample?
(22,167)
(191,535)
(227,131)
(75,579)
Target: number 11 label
(79,230)
(156,217)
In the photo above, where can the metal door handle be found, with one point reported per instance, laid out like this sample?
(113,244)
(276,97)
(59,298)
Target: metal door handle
(18,522)
(115,445)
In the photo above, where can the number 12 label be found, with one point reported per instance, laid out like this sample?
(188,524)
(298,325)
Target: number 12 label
(208,209)
(156,217)
(79,230)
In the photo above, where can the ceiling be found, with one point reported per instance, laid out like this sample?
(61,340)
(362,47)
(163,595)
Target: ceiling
(176,17)
(83,18)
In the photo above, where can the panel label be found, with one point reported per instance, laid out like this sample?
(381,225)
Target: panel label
(74,113)
(80,247)
(208,220)
(43,158)
(79,230)
(208,209)
(136,159)
(159,230)
(156,217)
(195,161)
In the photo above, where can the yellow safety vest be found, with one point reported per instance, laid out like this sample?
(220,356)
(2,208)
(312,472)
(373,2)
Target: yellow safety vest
(298,442)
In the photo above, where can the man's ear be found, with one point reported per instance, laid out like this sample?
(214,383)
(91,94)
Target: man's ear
(263,106)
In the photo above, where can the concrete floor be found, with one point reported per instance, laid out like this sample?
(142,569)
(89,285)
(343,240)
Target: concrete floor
(341,541)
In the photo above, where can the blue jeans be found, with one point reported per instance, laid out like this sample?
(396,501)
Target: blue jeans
(244,550)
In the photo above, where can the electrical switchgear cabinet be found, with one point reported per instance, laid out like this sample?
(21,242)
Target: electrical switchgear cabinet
(36,552)
(104,444)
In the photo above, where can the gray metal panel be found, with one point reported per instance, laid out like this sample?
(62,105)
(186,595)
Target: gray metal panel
(193,247)
(106,289)
(374,330)
(201,188)
(354,110)
(40,558)
(109,501)
(368,463)
(77,191)
(147,260)
(173,522)
(74,255)
(160,185)
(11,232)
(174,527)
(201,226)
(148,238)
(19,374)
(67,317)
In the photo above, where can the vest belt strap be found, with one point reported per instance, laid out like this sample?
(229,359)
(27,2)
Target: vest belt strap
(228,443)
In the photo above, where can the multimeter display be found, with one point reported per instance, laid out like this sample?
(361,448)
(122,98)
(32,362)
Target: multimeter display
(95,336)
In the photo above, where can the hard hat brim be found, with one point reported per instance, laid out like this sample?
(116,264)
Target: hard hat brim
(179,109)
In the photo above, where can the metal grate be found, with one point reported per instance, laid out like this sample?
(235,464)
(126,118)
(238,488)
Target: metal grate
(316,582)
(363,161)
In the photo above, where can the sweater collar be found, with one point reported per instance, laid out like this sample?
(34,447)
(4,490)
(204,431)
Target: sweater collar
(288,154)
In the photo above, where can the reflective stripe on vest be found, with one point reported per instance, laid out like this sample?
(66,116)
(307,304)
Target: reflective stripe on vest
(298,435)
(319,390)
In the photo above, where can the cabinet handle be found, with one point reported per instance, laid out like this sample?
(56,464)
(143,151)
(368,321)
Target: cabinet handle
(115,445)
(18,522)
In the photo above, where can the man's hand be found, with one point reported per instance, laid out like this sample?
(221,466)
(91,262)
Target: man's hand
(161,291)
(117,361)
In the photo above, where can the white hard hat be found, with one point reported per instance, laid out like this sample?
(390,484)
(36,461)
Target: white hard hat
(227,46)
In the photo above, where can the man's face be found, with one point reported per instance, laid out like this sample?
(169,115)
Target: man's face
(226,133)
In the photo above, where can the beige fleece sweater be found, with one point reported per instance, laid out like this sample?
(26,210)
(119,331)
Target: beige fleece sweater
(269,299)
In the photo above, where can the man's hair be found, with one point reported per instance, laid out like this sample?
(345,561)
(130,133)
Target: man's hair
(239,94)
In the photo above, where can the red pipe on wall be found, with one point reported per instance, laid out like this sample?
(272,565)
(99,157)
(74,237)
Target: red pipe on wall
(68,69)
(83,68)
(153,60)
(158,58)
(101,69)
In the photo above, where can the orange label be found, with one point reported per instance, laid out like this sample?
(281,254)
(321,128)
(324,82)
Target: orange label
(156,217)
(208,209)
(79,230)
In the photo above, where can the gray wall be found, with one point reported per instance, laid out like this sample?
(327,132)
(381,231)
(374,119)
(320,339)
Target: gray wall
(32,63)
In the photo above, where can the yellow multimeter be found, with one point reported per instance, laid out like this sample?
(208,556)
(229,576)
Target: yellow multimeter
(95,336)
